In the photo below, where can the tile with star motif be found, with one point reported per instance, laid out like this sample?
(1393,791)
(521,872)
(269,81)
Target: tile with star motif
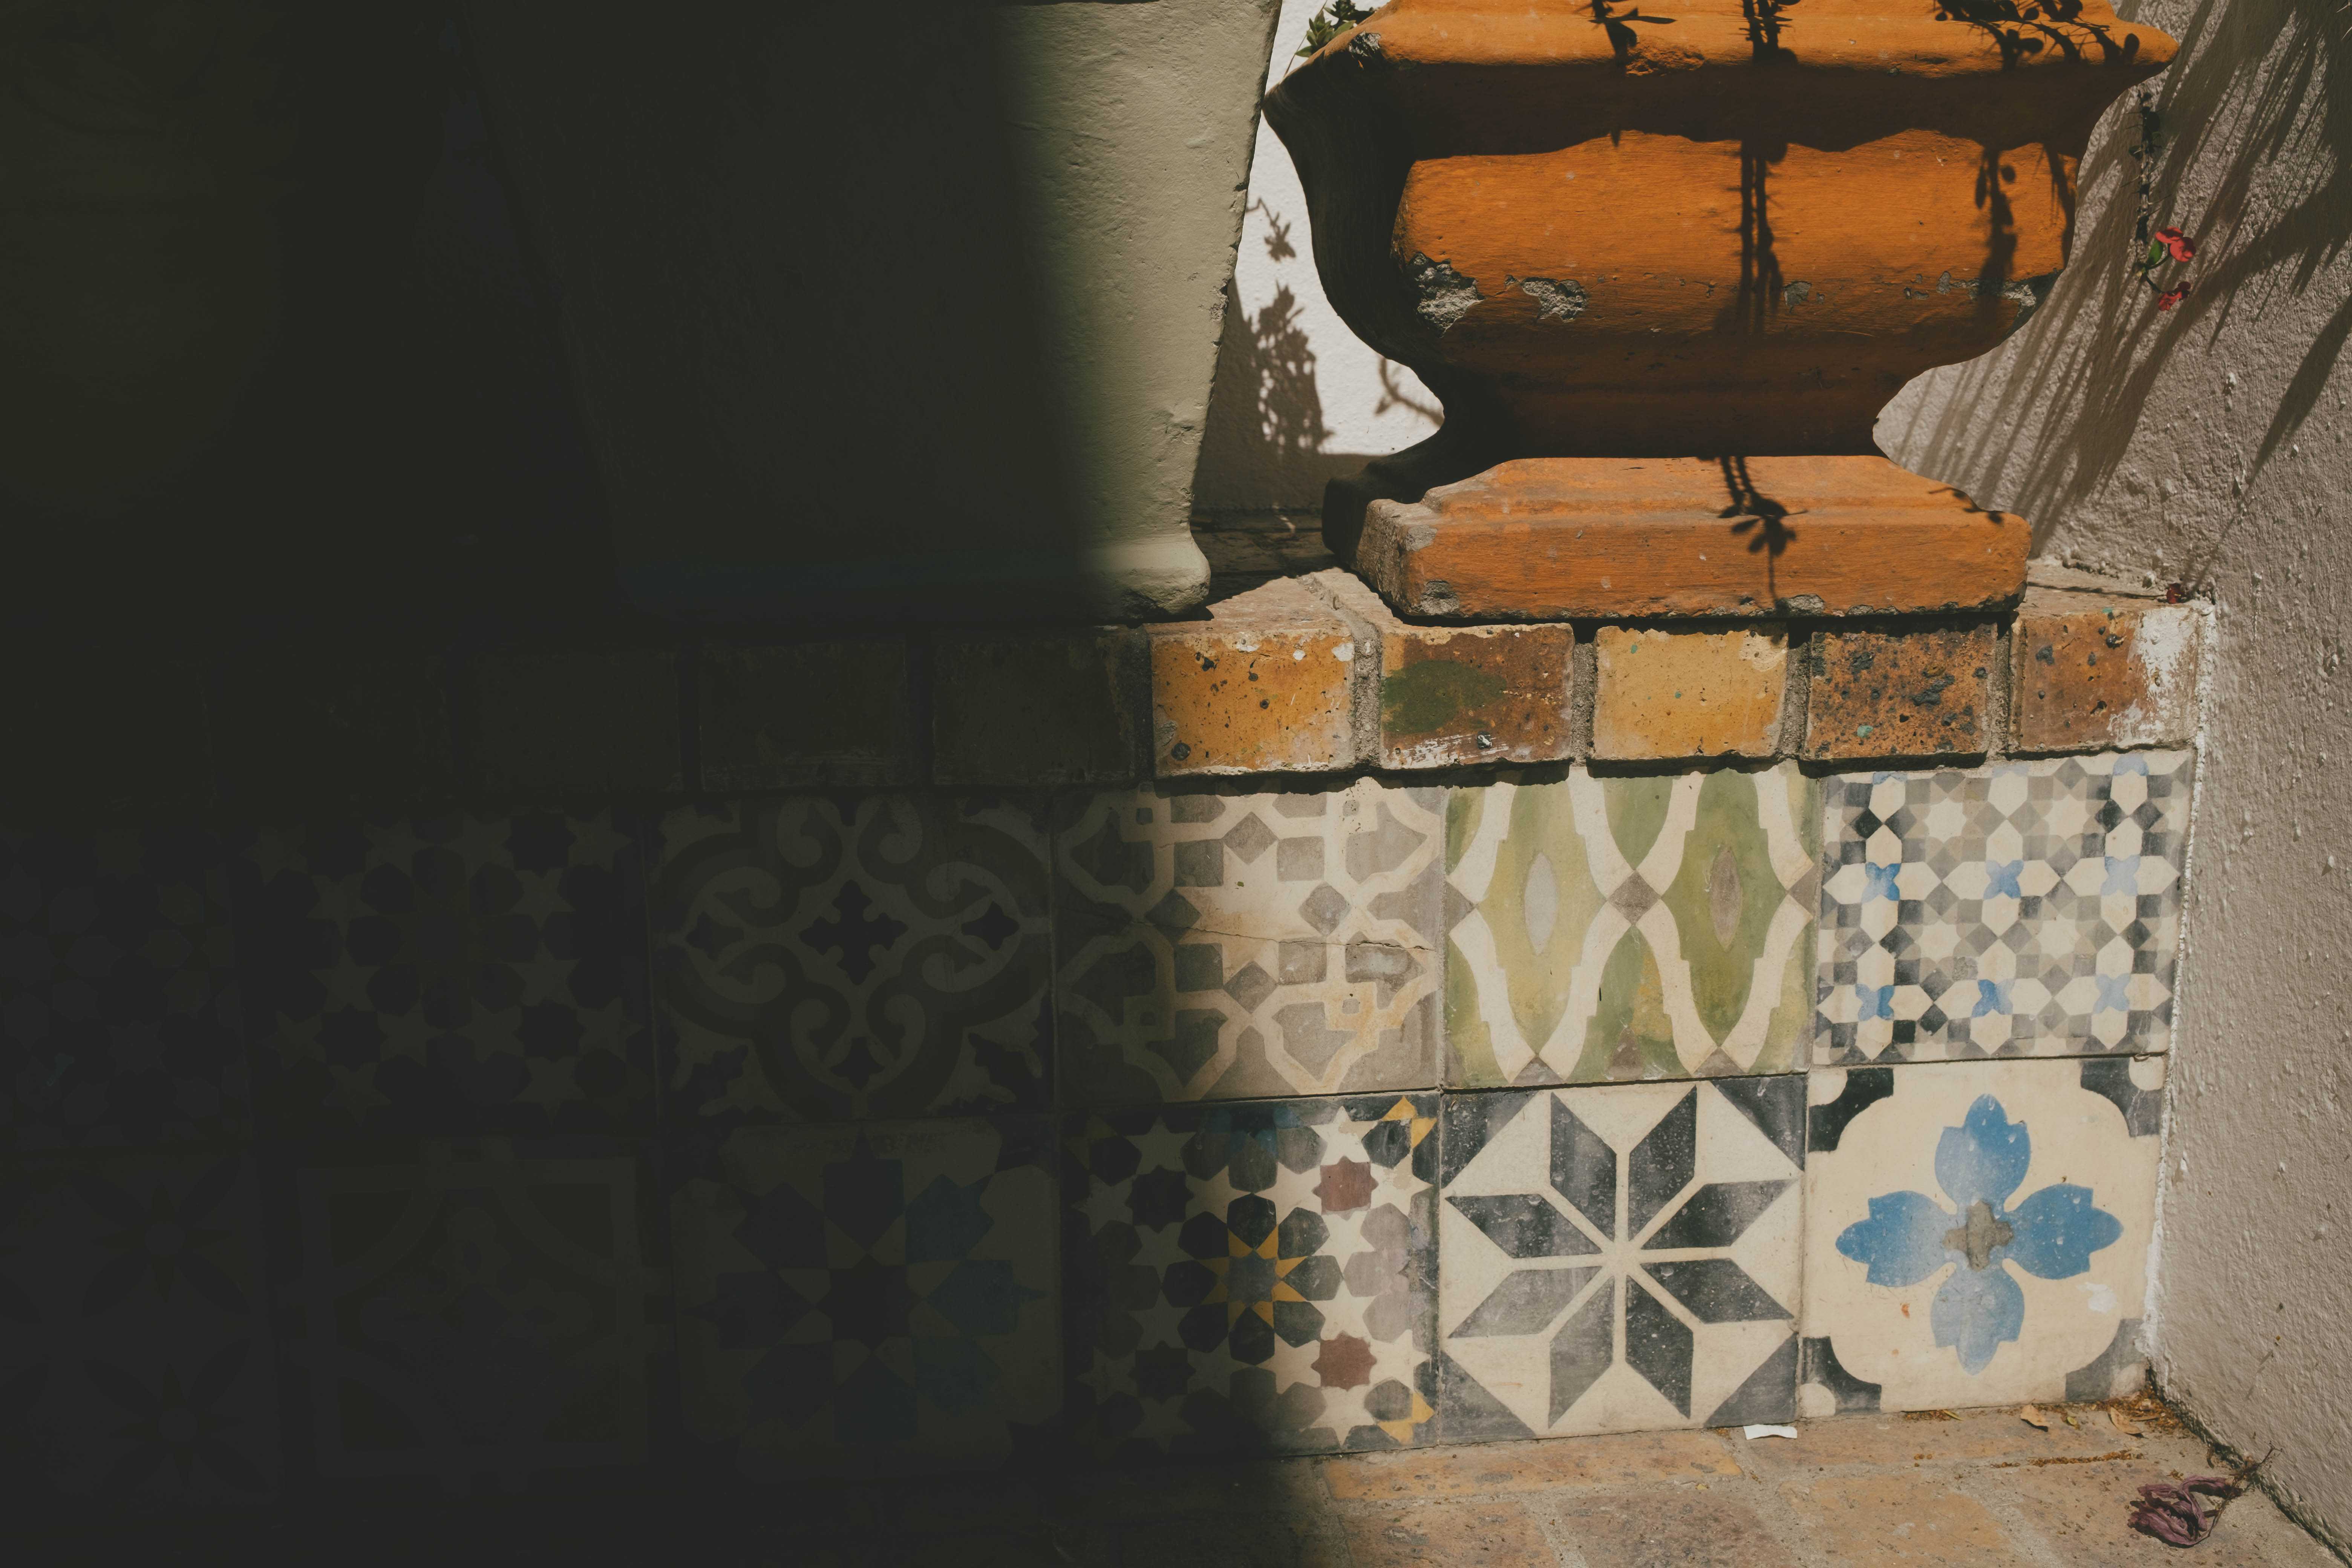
(824,960)
(118,998)
(135,1362)
(2017,909)
(1250,1277)
(869,1300)
(1620,1258)
(1228,944)
(450,976)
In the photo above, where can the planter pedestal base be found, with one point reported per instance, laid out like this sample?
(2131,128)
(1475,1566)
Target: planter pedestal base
(1555,539)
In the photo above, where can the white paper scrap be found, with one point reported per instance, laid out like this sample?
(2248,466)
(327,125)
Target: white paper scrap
(1769,1431)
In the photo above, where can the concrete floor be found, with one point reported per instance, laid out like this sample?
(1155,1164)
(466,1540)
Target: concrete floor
(1979,1486)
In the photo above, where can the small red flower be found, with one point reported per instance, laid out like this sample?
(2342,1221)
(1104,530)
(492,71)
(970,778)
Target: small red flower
(2180,245)
(2172,296)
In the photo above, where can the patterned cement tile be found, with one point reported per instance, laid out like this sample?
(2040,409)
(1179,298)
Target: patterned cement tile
(1220,944)
(453,976)
(134,1342)
(1978,1232)
(1621,1257)
(819,959)
(466,1314)
(118,1005)
(871,1300)
(1629,927)
(2019,909)
(1255,1277)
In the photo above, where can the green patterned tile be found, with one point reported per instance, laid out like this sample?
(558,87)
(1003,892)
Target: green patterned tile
(1629,928)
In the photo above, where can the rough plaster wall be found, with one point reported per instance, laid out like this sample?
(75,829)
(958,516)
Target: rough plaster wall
(2212,445)
(1299,398)
(1129,126)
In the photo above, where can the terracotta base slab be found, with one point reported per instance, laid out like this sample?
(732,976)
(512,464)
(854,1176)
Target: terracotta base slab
(1550,539)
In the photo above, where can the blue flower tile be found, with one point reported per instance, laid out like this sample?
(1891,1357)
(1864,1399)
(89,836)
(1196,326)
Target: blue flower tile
(1978,1232)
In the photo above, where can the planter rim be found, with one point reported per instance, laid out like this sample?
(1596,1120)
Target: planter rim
(1684,36)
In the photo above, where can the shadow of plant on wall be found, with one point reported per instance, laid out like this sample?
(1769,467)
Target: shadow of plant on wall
(1267,410)
(2047,421)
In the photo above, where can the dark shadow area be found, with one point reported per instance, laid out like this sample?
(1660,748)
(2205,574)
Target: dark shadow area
(290,988)
(2050,419)
(277,359)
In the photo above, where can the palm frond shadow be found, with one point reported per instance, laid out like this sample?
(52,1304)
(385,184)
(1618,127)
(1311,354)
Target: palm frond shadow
(2258,165)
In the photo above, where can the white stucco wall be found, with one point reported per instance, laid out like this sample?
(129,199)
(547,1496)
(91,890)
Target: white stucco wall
(1298,397)
(2212,445)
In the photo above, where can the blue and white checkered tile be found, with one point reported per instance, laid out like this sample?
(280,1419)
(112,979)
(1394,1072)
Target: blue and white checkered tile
(2021,909)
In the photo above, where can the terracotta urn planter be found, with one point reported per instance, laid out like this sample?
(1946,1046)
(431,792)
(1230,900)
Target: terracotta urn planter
(1711,229)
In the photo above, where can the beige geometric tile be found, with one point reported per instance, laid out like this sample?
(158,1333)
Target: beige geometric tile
(1629,928)
(1220,944)
(1976,1233)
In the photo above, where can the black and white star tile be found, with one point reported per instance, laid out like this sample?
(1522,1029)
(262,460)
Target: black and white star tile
(1620,1258)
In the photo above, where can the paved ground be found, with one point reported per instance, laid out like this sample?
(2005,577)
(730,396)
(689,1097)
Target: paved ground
(1982,1487)
(1978,1488)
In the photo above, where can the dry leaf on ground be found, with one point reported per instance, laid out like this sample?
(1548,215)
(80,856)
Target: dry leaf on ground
(2032,1417)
